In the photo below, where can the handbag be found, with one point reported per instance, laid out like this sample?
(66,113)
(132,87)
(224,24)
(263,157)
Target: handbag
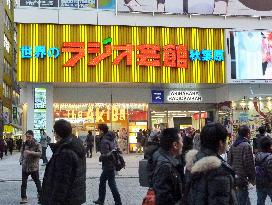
(150,198)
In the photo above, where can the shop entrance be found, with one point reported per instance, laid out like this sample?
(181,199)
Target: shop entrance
(181,116)
(125,119)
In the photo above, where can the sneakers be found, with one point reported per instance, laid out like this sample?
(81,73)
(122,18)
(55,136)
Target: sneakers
(23,201)
(98,202)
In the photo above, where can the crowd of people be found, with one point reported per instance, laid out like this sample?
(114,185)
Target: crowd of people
(7,145)
(188,168)
(185,167)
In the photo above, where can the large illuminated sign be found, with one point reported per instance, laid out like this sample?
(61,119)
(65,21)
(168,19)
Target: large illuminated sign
(184,96)
(175,56)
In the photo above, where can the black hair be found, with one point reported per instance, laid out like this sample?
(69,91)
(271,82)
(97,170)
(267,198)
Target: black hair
(265,144)
(212,134)
(168,136)
(29,132)
(243,131)
(103,127)
(262,130)
(63,128)
(90,132)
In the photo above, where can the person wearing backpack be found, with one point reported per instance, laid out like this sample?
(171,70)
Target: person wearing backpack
(263,163)
(166,180)
(108,144)
(256,140)
(209,179)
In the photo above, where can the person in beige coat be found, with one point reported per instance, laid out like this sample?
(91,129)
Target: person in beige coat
(31,152)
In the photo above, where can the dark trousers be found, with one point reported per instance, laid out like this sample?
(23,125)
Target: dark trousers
(6,151)
(10,150)
(262,194)
(35,177)
(44,158)
(109,175)
(89,151)
(243,196)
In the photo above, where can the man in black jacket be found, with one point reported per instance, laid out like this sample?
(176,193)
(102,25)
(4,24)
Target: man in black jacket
(167,181)
(108,143)
(64,181)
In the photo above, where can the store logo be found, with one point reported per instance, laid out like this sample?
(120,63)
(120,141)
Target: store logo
(184,96)
(157,96)
(175,56)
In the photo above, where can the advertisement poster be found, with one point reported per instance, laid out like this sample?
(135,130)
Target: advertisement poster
(251,55)
(39,111)
(229,7)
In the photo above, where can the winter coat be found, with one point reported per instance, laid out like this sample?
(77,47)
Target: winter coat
(264,159)
(30,161)
(10,143)
(209,179)
(166,181)
(2,145)
(108,143)
(240,158)
(90,140)
(64,181)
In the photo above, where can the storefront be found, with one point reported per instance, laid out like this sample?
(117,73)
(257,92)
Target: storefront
(109,74)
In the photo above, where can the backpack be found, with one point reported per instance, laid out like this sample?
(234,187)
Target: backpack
(262,174)
(118,159)
(150,198)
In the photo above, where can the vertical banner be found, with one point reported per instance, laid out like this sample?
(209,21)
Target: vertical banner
(39,111)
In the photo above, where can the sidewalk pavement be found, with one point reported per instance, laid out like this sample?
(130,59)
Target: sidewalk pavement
(127,182)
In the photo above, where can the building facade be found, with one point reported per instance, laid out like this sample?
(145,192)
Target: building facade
(142,66)
(9,89)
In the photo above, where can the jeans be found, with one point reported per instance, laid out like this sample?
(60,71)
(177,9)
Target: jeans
(35,177)
(89,151)
(243,196)
(108,175)
(262,193)
(44,158)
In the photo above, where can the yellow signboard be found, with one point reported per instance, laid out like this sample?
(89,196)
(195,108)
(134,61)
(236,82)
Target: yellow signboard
(84,53)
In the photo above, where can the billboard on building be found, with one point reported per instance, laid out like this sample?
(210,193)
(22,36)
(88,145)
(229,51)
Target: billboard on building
(90,4)
(96,54)
(251,56)
(229,7)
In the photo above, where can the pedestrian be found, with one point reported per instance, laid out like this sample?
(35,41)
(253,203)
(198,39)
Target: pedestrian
(10,145)
(97,143)
(139,141)
(30,154)
(240,158)
(44,141)
(2,147)
(166,181)
(196,140)
(90,144)
(209,179)
(64,181)
(108,143)
(263,161)
(19,143)
(6,146)
(262,133)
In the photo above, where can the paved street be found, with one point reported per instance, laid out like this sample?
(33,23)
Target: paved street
(127,181)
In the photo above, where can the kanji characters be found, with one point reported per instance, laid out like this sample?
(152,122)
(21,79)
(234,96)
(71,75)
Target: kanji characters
(175,56)
(53,52)
(40,52)
(26,52)
(218,55)
(74,47)
(194,55)
(206,55)
(148,55)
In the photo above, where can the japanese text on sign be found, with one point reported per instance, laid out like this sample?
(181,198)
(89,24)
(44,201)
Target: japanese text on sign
(176,56)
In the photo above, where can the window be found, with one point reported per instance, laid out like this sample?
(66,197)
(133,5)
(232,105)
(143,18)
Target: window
(7,44)
(7,67)
(6,91)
